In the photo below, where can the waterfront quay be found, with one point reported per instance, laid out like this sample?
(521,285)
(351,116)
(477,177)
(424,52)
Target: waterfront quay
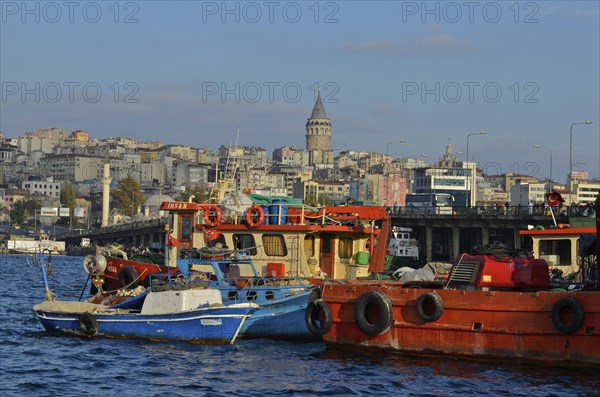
(440,236)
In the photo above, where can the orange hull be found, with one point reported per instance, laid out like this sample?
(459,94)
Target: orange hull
(473,323)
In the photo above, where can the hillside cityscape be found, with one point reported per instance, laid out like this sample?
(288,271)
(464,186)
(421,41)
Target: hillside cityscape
(39,165)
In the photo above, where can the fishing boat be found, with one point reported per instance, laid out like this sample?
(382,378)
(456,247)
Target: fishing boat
(281,300)
(294,242)
(195,314)
(490,306)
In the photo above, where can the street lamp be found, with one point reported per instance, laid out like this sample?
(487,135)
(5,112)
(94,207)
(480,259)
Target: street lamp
(550,150)
(387,150)
(571,159)
(470,176)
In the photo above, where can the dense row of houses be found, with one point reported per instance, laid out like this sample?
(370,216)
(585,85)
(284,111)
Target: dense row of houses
(40,163)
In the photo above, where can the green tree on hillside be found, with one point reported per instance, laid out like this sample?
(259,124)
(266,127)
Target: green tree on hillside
(24,209)
(128,196)
(67,196)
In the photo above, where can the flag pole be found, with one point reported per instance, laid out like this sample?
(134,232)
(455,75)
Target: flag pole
(167,249)
(553,218)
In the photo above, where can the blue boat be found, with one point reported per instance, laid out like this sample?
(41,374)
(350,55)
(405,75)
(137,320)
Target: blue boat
(195,315)
(282,301)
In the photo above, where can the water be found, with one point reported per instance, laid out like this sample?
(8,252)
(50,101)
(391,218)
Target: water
(35,363)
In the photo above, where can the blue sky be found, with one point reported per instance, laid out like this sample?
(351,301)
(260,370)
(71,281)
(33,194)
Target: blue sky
(429,73)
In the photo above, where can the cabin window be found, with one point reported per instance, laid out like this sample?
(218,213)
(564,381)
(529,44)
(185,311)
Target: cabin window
(245,242)
(309,246)
(186,228)
(326,245)
(274,245)
(345,249)
(556,252)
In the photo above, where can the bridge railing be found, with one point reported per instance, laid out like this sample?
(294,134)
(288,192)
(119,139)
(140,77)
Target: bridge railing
(494,210)
(113,228)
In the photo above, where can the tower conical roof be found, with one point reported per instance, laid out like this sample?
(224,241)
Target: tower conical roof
(319,110)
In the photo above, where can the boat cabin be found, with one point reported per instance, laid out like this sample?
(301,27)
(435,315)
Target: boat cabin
(559,247)
(335,242)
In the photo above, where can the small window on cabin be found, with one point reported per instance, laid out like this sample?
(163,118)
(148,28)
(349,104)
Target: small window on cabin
(345,249)
(186,229)
(309,246)
(556,252)
(245,243)
(274,245)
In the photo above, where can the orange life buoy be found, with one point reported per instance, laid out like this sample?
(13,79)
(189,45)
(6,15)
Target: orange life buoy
(255,216)
(55,248)
(213,216)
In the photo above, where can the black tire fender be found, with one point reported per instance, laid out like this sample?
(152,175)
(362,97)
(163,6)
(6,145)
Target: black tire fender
(128,275)
(318,317)
(88,324)
(430,307)
(374,304)
(577,316)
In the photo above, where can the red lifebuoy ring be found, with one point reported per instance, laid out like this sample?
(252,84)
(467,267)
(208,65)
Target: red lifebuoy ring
(213,216)
(255,216)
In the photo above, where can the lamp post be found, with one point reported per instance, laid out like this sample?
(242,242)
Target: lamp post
(550,150)
(471,176)
(571,159)
(387,150)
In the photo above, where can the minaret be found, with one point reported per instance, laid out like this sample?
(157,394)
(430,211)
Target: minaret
(106,179)
(318,134)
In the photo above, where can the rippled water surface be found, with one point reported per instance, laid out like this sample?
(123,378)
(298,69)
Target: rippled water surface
(34,363)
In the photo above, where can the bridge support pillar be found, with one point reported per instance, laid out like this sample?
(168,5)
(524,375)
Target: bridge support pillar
(517,238)
(429,241)
(485,235)
(455,242)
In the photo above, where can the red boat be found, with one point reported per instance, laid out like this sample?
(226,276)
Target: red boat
(123,271)
(496,307)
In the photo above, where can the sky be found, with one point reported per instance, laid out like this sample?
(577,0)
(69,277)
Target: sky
(428,73)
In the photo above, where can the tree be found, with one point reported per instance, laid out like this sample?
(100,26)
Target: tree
(24,209)
(128,196)
(67,196)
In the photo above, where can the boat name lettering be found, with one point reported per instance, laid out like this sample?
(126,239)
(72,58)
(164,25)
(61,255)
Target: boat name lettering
(210,321)
(177,206)
(111,269)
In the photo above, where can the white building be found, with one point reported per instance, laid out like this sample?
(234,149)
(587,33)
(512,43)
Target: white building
(47,188)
